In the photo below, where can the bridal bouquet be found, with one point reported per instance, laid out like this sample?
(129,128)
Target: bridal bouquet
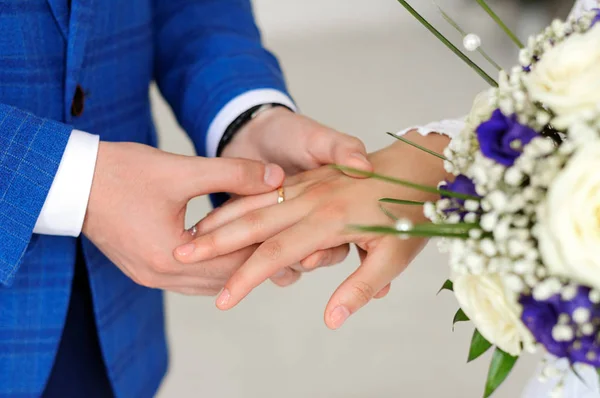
(521,218)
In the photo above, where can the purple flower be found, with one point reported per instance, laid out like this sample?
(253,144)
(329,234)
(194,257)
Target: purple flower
(580,344)
(597,17)
(502,138)
(463,185)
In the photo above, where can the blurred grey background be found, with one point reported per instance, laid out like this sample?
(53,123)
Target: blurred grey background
(364,67)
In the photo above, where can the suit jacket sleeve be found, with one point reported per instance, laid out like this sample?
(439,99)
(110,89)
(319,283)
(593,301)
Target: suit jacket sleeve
(208,53)
(30,151)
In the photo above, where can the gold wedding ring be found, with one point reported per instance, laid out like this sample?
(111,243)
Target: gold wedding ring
(280,195)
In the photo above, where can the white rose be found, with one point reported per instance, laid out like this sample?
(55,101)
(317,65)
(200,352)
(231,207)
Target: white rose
(494,311)
(465,144)
(567,78)
(569,222)
(481,110)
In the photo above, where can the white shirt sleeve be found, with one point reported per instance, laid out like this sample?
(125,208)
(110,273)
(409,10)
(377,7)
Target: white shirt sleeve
(450,127)
(66,204)
(236,107)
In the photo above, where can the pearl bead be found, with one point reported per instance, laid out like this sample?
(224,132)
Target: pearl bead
(404,225)
(471,42)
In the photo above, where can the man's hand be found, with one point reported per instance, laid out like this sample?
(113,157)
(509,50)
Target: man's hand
(296,143)
(137,206)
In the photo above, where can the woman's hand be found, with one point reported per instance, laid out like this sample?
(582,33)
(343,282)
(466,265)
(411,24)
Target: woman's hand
(320,207)
(298,143)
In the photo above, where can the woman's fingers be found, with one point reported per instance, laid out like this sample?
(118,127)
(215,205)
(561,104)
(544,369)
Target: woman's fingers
(232,210)
(281,251)
(382,264)
(324,258)
(254,227)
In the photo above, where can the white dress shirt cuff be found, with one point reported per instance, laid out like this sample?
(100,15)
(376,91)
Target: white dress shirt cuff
(236,107)
(66,204)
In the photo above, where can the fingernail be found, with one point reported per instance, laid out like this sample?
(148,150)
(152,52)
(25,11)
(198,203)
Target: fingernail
(361,157)
(271,175)
(223,298)
(338,316)
(186,249)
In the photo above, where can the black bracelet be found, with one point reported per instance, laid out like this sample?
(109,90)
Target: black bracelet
(241,121)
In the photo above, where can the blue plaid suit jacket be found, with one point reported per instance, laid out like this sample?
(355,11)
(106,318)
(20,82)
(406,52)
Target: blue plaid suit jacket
(202,53)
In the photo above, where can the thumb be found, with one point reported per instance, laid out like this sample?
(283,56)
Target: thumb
(236,176)
(332,147)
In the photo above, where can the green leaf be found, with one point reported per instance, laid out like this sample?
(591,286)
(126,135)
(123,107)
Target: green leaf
(414,144)
(500,367)
(423,188)
(500,23)
(401,202)
(448,285)
(460,30)
(448,44)
(460,316)
(479,345)
(598,371)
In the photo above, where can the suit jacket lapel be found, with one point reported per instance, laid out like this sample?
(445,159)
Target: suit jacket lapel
(80,25)
(60,10)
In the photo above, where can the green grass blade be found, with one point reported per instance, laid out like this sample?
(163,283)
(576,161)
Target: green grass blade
(449,19)
(401,202)
(460,30)
(388,213)
(386,230)
(500,23)
(448,44)
(414,144)
(423,188)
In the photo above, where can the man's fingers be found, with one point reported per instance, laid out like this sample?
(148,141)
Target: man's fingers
(252,228)
(383,292)
(286,277)
(332,147)
(385,262)
(324,258)
(201,176)
(283,250)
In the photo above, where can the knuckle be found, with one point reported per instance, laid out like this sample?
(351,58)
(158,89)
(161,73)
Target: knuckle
(362,292)
(354,142)
(243,172)
(161,267)
(270,250)
(254,221)
(211,245)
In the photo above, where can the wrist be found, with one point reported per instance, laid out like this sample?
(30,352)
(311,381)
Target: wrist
(423,168)
(249,141)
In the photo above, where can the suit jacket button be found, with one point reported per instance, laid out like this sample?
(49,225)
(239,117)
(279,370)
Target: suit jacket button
(78,102)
